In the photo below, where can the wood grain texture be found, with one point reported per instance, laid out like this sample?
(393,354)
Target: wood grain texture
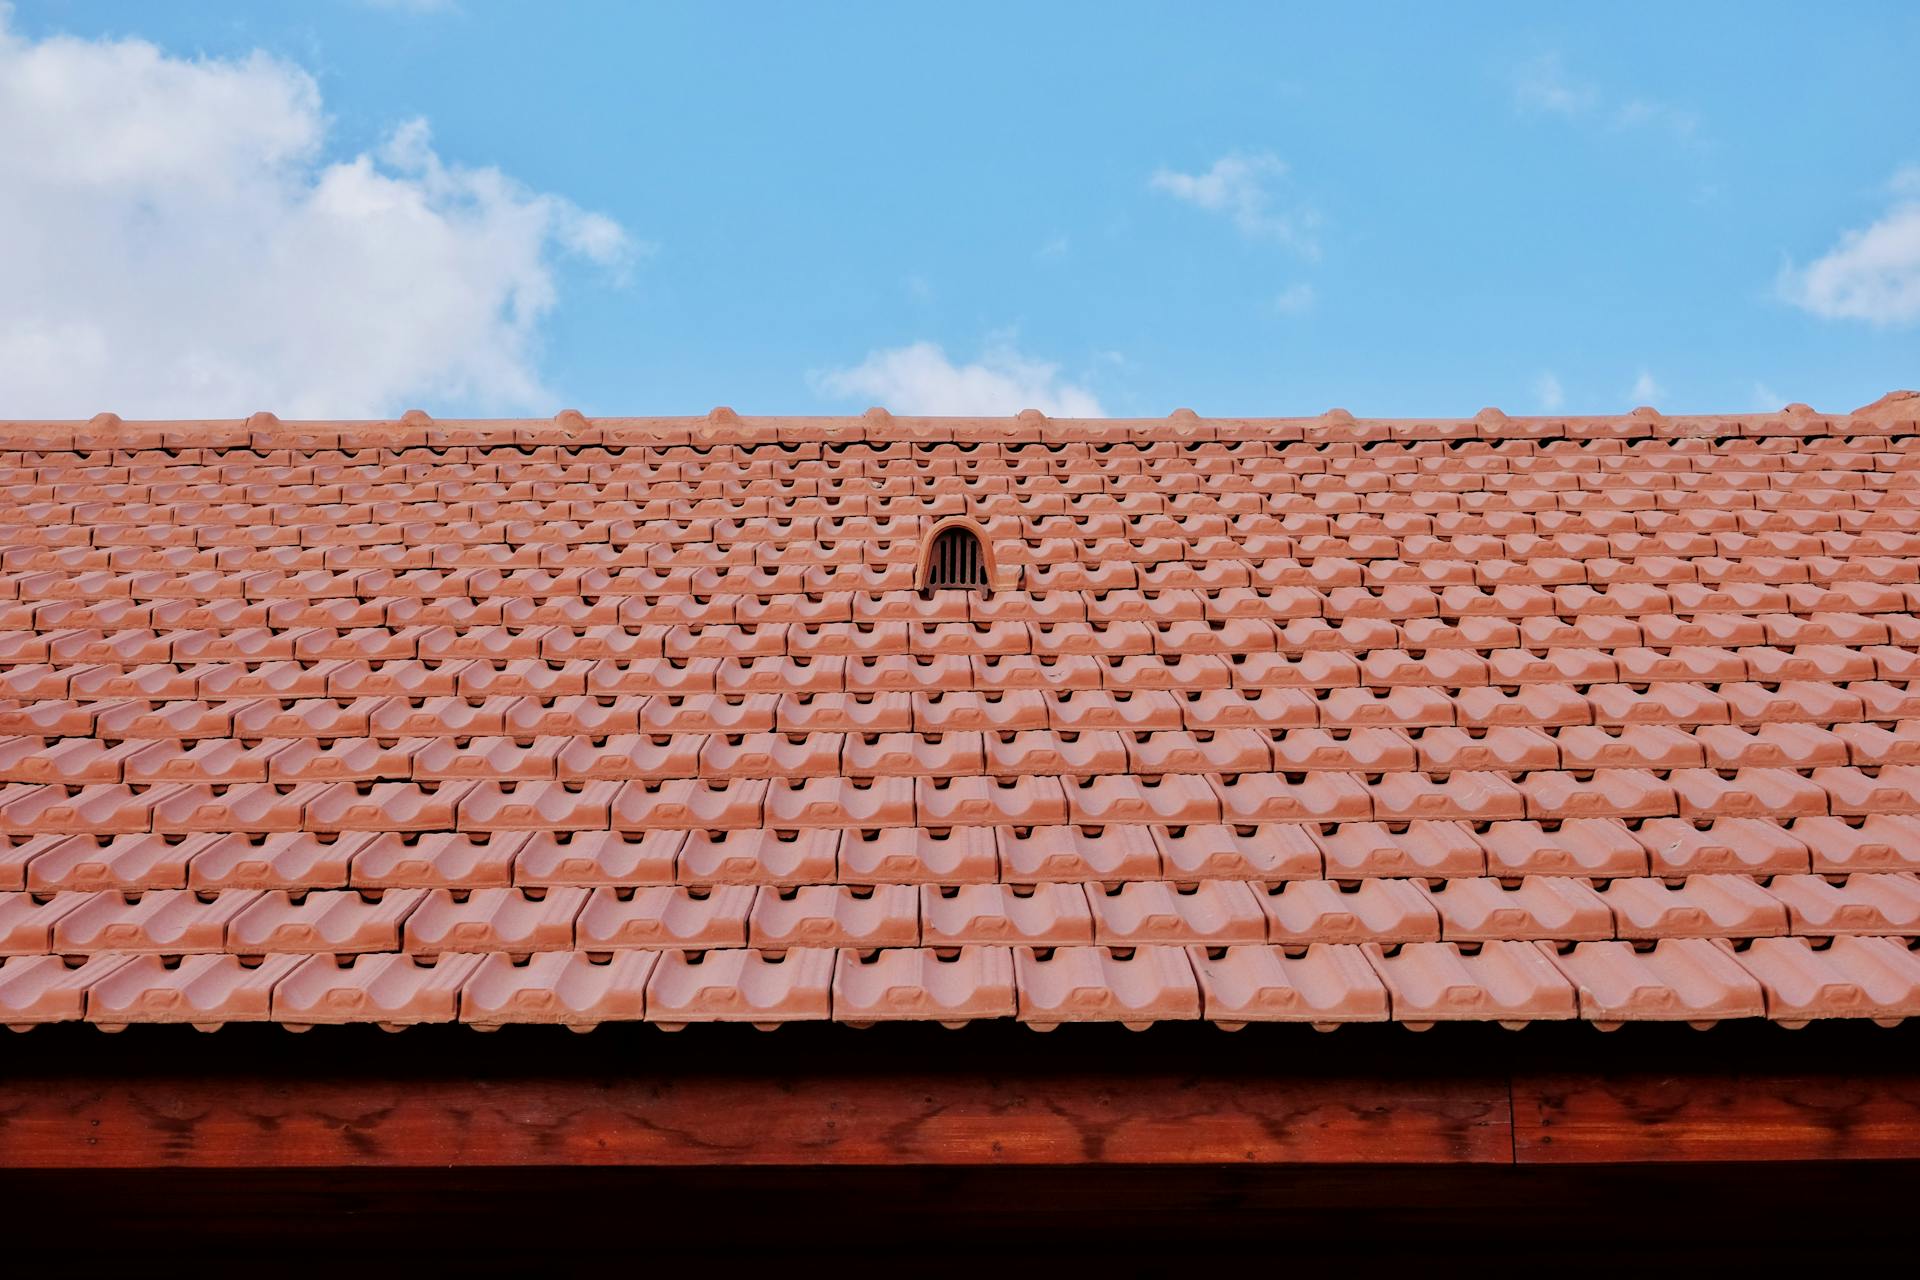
(1584,1119)
(867,1120)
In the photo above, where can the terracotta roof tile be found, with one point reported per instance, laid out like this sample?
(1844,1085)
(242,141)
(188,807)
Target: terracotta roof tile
(1510,982)
(1316,911)
(389,988)
(566,988)
(166,921)
(833,915)
(1854,978)
(42,988)
(969,983)
(741,986)
(1102,984)
(1558,908)
(205,990)
(1685,979)
(126,862)
(1326,985)
(1504,719)
(340,923)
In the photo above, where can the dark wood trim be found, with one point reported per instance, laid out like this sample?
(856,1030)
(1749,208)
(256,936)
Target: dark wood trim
(1094,1097)
(1583,1119)
(50,1123)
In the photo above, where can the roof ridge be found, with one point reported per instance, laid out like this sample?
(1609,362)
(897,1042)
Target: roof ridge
(1896,412)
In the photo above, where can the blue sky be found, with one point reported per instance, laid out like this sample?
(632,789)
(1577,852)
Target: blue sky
(348,207)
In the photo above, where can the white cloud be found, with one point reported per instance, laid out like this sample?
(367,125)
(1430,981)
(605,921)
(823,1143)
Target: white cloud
(920,379)
(1295,299)
(1238,187)
(1873,273)
(1549,393)
(1054,247)
(1646,390)
(1542,85)
(173,243)
(1766,399)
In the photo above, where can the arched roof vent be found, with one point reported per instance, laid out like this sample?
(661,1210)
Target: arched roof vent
(955,561)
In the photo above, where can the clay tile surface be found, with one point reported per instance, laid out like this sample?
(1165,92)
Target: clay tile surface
(741,986)
(204,990)
(1101,984)
(1265,853)
(336,922)
(665,720)
(1678,979)
(1048,915)
(832,915)
(613,858)
(915,855)
(567,988)
(1487,910)
(1758,847)
(1599,847)
(36,989)
(1503,982)
(1141,912)
(955,987)
(1703,906)
(665,916)
(1864,903)
(1314,911)
(170,921)
(388,988)
(1853,978)
(1326,985)
(512,920)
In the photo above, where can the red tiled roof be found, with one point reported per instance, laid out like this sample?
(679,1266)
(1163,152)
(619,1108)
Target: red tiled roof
(1305,720)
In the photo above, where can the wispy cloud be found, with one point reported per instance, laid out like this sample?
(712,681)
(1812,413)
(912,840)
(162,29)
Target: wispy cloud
(1646,390)
(1239,187)
(1543,86)
(1548,392)
(1873,273)
(1053,247)
(920,379)
(1765,398)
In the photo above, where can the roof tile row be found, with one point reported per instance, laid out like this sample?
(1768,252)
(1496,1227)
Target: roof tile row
(1134,912)
(1270,853)
(1511,982)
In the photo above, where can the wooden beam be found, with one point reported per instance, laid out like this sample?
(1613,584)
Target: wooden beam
(955,1118)
(893,1119)
(1584,1119)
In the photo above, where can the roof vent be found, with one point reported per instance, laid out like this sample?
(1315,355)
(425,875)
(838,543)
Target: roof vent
(956,562)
